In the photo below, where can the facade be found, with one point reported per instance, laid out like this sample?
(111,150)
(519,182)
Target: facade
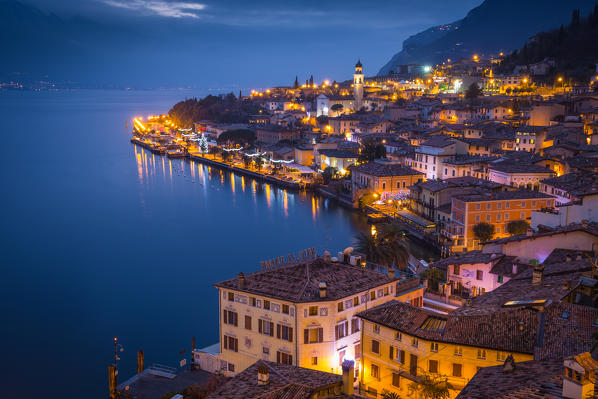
(272,134)
(429,156)
(388,180)
(515,174)
(302,314)
(496,208)
(530,138)
(339,159)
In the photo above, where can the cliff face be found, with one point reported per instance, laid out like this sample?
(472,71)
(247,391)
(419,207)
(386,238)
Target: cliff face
(492,27)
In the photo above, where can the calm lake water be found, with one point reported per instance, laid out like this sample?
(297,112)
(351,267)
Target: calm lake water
(102,239)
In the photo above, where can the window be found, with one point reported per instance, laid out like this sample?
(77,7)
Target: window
(372,295)
(498,216)
(507,204)
(375,347)
(341,357)
(284,358)
(230,317)
(348,304)
(313,335)
(354,325)
(341,330)
(433,366)
(457,270)
(265,327)
(356,301)
(357,352)
(265,350)
(481,354)
(479,275)
(266,304)
(284,332)
(230,343)
(385,291)
(457,370)
(477,218)
(248,322)
(478,206)
(231,367)
(383,186)
(501,356)
(522,215)
(398,336)
(499,205)
(285,309)
(340,307)
(506,216)
(375,371)
(414,342)
(533,204)
(434,347)
(523,204)
(376,328)
(253,301)
(488,217)
(488,205)
(314,360)
(313,310)
(231,297)
(396,380)
(458,351)
(500,279)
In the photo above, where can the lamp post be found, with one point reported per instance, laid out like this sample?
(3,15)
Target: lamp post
(117,347)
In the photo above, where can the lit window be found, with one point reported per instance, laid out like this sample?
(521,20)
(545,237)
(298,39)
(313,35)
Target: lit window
(434,346)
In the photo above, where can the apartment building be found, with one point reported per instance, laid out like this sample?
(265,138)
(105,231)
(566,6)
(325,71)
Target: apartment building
(518,174)
(302,314)
(387,179)
(429,156)
(496,208)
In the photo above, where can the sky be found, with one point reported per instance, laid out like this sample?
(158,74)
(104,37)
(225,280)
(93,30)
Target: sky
(229,43)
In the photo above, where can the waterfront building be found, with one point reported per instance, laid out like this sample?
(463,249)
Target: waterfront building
(302,314)
(387,179)
(339,159)
(496,208)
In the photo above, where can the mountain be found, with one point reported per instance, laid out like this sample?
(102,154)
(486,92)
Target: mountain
(492,27)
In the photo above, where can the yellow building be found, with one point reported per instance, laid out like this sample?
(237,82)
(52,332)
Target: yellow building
(402,345)
(301,314)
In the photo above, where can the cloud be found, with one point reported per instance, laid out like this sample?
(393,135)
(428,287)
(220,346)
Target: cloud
(177,9)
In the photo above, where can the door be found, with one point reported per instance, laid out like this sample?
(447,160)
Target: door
(413,365)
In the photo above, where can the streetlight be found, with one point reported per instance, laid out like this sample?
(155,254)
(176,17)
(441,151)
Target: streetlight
(117,348)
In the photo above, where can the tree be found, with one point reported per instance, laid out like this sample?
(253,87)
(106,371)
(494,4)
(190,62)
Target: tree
(473,91)
(246,161)
(226,155)
(328,174)
(337,107)
(483,231)
(259,160)
(372,150)
(433,387)
(214,151)
(517,227)
(390,395)
(434,277)
(385,247)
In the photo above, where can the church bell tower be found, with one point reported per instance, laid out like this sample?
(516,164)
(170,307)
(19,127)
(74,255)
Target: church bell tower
(358,86)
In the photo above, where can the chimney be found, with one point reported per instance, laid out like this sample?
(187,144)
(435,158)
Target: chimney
(322,286)
(537,274)
(348,375)
(509,364)
(327,256)
(391,272)
(241,277)
(514,268)
(263,375)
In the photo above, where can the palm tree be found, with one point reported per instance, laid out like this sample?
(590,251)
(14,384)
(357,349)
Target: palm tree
(371,246)
(390,395)
(386,247)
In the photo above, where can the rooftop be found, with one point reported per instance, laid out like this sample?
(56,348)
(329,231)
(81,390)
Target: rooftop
(300,282)
(501,195)
(466,258)
(511,167)
(332,153)
(591,228)
(380,170)
(439,141)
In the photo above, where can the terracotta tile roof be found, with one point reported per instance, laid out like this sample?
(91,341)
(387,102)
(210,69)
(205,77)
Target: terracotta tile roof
(285,382)
(508,167)
(467,258)
(591,228)
(504,266)
(439,141)
(533,380)
(300,282)
(380,170)
(501,195)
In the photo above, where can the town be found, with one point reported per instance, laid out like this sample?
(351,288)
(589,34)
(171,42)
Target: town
(498,172)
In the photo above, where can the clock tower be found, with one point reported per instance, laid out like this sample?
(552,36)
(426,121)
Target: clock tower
(358,86)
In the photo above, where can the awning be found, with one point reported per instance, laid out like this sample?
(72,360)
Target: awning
(300,168)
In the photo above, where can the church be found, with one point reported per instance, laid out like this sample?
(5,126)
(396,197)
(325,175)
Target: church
(325,102)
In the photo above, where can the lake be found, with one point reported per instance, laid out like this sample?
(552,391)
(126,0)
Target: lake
(103,239)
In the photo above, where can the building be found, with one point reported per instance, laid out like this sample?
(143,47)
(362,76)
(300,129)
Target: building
(496,208)
(539,245)
(518,174)
(474,273)
(339,159)
(567,188)
(302,314)
(387,179)
(358,82)
(272,134)
(530,138)
(271,380)
(325,102)
(543,313)
(430,155)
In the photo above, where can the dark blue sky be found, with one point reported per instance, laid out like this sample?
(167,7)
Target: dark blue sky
(222,43)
